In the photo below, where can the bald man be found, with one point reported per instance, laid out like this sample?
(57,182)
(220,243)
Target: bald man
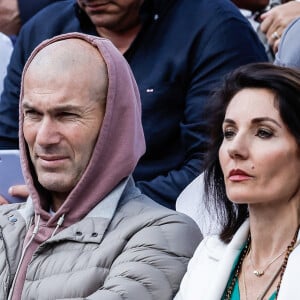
(86,231)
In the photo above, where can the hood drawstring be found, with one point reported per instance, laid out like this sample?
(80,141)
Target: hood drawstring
(58,224)
(34,232)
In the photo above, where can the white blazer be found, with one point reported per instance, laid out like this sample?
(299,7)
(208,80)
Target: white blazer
(209,269)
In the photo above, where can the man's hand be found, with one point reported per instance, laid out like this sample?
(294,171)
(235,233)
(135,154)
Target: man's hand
(16,191)
(276,20)
(2,200)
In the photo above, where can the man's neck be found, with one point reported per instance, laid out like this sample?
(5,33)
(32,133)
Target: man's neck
(122,40)
(57,200)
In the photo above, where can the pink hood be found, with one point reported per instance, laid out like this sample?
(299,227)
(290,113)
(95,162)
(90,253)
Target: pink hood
(119,146)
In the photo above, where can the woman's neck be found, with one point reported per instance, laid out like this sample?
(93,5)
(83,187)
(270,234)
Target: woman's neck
(272,228)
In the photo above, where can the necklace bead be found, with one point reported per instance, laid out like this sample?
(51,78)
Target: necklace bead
(258,273)
(245,251)
(262,272)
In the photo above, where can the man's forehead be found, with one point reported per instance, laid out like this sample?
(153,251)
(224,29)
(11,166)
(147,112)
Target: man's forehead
(67,67)
(72,52)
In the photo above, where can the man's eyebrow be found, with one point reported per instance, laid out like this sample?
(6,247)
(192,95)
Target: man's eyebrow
(27,105)
(67,107)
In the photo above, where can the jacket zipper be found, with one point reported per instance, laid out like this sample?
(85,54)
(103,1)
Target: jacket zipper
(35,230)
(6,283)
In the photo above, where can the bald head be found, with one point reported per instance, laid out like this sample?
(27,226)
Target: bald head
(71,58)
(63,107)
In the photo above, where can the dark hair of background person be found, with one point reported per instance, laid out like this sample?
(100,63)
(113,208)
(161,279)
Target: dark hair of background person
(285,84)
(256,5)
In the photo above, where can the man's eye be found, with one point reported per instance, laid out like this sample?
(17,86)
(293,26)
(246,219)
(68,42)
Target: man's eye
(264,133)
(32,114)
(66,114)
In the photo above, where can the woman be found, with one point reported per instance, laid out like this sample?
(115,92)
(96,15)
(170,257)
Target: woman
(252,184)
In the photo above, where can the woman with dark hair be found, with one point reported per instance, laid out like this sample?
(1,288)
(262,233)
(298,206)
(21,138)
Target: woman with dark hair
(252,185)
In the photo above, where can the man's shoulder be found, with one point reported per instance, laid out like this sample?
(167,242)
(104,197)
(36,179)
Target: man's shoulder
(202,15)
(11,220)
(6,209)
(142,221)
(204,7)
(55,17)
(63,5)
(143,212)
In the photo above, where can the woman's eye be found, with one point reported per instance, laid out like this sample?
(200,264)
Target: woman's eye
(228,133)
(264,133)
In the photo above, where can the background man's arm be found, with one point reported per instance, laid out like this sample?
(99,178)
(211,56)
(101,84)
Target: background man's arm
(227,45)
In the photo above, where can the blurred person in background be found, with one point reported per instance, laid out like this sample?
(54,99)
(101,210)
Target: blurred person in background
(210,39)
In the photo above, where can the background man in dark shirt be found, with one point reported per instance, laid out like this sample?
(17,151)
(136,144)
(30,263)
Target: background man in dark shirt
(178,51)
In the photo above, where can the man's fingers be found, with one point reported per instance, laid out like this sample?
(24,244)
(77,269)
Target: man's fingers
(267,20)
(2,200)
(275,46)
(19,191)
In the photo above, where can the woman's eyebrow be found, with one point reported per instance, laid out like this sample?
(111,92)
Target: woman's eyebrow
(230,121)
(264,119)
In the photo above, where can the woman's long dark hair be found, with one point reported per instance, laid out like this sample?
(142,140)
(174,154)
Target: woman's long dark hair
(285,84)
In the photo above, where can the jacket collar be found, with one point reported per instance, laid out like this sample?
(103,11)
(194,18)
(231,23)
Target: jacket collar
(93,226)
(225,255)
(290,281)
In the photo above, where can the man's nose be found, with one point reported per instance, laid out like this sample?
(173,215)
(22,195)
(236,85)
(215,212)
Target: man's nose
(48,133)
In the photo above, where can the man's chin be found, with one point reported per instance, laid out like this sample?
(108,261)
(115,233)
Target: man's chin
(55,184)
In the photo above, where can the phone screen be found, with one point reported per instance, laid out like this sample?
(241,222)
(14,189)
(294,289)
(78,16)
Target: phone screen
(10,173)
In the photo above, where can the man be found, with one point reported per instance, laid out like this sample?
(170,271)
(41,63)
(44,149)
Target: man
(86,231)
(178,51)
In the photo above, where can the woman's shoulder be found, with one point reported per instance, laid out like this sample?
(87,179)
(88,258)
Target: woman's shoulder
(210,247)
(201,271)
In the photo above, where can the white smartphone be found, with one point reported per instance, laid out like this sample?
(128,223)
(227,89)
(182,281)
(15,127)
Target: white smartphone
(10,173)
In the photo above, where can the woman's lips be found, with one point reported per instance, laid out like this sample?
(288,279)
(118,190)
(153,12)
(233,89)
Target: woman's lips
(237,175)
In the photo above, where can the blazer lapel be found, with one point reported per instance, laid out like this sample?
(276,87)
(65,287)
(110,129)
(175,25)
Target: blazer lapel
(226,261)
(290,288)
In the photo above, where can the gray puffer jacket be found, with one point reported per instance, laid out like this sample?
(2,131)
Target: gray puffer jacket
(139,251)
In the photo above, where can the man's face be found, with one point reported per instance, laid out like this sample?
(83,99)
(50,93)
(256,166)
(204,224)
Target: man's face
(62,120)
(114,15)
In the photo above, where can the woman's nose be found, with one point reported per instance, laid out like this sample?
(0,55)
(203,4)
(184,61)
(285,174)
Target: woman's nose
(238,148)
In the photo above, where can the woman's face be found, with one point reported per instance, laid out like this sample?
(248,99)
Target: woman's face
(259,157)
